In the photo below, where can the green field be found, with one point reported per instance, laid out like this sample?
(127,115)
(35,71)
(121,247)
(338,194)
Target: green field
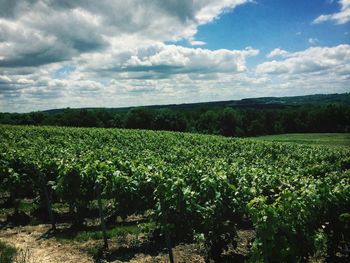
(333,139)
(187,188)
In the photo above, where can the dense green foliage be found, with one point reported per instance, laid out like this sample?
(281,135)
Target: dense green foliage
(227,121)
(197,187)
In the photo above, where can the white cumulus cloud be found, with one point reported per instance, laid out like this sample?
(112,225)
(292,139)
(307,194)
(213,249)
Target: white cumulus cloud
(164,60)
(341,17)
(112,53)
(277,52)
(313,59)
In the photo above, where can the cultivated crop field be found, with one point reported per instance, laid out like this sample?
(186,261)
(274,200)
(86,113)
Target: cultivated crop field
(184,188)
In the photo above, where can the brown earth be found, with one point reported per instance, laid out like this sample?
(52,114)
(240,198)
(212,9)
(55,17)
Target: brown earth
(29,239)
(41,247)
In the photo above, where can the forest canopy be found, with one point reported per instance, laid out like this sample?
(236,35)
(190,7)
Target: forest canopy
(227,121)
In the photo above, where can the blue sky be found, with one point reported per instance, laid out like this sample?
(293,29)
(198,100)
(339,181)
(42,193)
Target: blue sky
(270,23)
(267,24)
(86,53)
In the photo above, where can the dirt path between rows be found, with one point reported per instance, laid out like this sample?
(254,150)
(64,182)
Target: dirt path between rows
(43,248)
(29,238)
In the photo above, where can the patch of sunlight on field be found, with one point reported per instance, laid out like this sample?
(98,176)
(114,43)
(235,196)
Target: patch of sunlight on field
(331,139)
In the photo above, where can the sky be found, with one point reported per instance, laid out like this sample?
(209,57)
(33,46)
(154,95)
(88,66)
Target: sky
(116,53)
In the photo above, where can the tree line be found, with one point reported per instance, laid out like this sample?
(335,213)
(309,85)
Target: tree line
(227,121)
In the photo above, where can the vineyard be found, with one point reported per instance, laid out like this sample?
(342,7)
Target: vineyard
(193,188)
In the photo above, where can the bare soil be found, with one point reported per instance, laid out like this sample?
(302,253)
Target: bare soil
(31,239)
(42,247)
(182,254)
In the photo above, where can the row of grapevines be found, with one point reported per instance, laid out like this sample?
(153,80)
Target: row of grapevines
(297,198)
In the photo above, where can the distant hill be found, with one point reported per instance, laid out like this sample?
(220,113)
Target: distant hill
(246,117)
(263,102)
(343,98)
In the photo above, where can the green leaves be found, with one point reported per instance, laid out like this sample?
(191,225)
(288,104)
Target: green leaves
(297,197)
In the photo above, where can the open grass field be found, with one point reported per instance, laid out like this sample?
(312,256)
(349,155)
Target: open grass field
(330,139)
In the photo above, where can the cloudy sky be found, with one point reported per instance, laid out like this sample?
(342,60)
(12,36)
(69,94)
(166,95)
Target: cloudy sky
(112,53)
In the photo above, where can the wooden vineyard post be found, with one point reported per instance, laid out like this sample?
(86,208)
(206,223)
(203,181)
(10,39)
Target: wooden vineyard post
(102,218)
(49,208)
(48,204)
(167,234)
